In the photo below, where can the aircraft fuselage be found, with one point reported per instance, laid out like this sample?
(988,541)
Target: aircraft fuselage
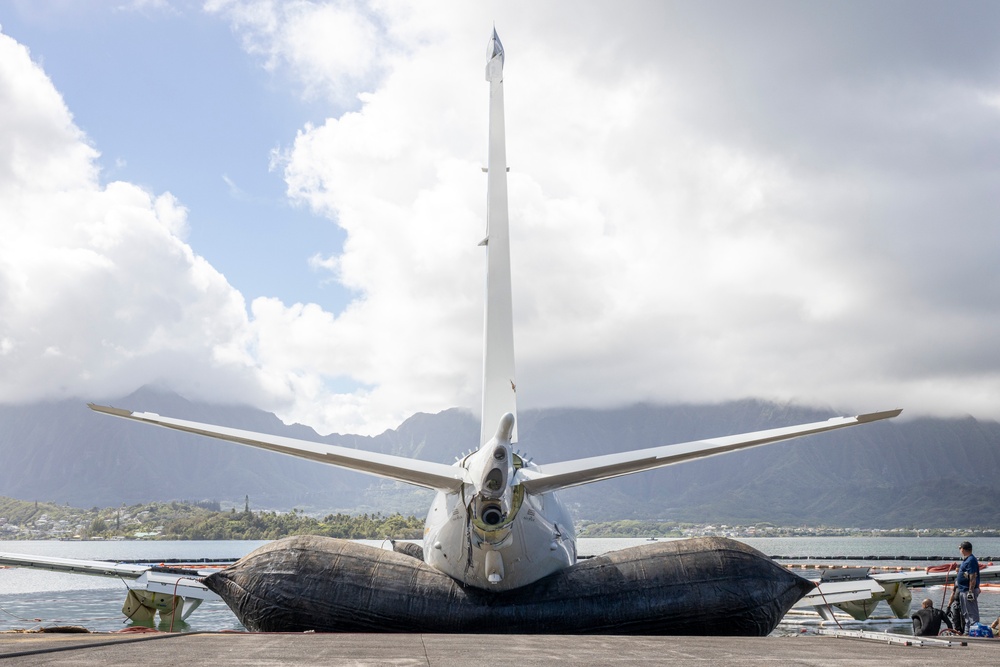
(491,533)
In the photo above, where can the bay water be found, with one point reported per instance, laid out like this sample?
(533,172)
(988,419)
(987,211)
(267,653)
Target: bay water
(34,598)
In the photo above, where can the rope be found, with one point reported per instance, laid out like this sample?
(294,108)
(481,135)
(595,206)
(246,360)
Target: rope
(18,618)
(59,621)
(828,606)
(945,589)
(173,612)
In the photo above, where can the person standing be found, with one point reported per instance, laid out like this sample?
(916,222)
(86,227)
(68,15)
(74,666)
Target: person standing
(955,616)
(967,586)
(927,621)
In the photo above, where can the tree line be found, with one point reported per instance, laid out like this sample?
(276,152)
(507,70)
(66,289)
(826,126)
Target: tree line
(184,520)
(247,525)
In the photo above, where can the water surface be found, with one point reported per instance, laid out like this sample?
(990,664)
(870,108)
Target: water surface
(33,598)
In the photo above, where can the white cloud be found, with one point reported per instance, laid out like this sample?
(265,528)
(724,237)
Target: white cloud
(701,210)
(655,257)
(99,293)
(331,48)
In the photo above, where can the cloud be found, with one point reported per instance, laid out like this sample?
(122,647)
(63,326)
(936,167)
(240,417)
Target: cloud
(99,293)
(333,49)
(708,202)
(701,209)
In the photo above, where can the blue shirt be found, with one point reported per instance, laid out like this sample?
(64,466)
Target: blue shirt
(969,566)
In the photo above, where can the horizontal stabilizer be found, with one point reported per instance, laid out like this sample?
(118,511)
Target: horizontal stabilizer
(860,596)
(97,568)
(431,475)
(918,579)
(583,471)
(184,591)
(835,592)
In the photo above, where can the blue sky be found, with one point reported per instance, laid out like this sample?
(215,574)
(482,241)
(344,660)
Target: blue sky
(279,203)
(172,102)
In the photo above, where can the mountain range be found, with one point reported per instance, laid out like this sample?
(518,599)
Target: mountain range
(904,472)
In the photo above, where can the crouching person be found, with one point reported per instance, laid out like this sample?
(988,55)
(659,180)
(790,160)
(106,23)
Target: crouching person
(927,621)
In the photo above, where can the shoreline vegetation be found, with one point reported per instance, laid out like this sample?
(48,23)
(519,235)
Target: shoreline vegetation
(206,520)
(648,528)
(183,520)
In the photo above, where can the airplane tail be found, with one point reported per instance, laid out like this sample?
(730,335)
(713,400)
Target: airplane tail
(499,387)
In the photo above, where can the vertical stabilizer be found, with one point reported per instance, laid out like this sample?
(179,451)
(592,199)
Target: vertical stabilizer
(499,386)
